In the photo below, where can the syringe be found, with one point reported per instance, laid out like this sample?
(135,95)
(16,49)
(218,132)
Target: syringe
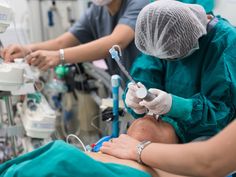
(142,92)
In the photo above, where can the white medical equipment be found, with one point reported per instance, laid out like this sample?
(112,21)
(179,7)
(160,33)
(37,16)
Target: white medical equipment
(6,16)
(37,116)
(17,78)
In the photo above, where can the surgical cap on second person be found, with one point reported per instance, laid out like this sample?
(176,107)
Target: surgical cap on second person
(169,29)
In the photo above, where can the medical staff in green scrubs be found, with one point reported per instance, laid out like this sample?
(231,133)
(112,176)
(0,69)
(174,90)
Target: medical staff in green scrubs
(189,64)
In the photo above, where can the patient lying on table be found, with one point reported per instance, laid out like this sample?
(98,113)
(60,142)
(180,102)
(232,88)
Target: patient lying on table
(60,159)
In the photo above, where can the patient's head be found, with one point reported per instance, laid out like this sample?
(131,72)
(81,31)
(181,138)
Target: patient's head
(148,128)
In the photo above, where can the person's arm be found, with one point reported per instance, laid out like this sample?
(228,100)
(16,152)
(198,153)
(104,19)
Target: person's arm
(98,49)
(86,31)
(64,41)
(214,158)
(18,51)
(80,32)
(122,35)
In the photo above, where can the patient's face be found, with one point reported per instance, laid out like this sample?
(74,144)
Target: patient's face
(148,128)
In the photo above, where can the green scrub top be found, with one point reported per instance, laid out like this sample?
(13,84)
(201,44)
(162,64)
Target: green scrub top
(203,85)
(59,159)
(207,4)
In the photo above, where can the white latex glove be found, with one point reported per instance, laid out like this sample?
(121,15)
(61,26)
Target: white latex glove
(133,101)
(161,104)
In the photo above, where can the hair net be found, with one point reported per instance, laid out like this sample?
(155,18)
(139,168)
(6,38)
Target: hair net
(169,29)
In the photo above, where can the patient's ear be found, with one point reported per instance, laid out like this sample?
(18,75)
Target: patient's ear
(150,129)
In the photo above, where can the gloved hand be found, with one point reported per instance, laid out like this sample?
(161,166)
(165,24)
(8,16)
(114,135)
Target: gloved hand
(133,101)
(161,104)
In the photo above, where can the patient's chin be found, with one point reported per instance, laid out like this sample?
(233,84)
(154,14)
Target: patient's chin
(150,129)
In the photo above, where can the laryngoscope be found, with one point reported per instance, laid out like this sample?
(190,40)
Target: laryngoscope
(142,92)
